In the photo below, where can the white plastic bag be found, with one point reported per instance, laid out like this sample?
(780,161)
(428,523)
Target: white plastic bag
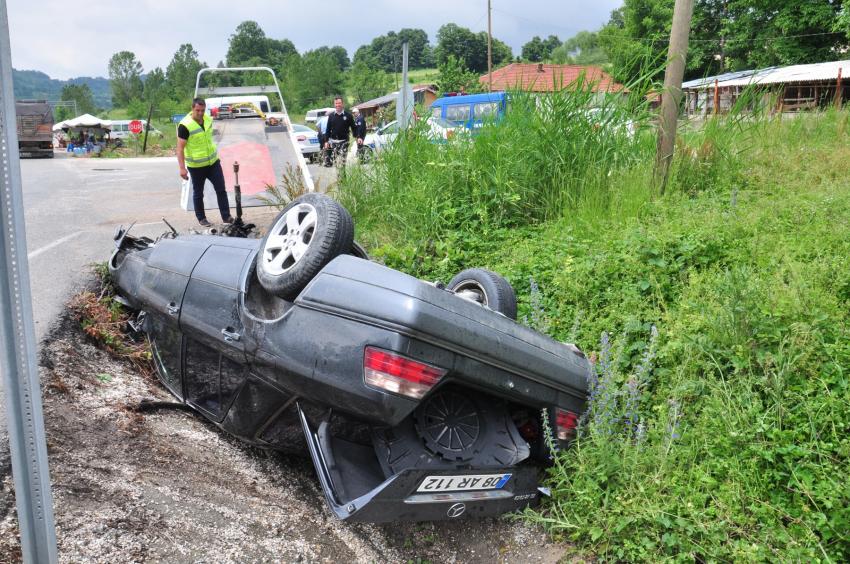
(186,195)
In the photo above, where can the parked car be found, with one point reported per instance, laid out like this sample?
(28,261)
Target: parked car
(221,112)
(121,129)
(375,141)
(314,115)
(308,140)
(415,400)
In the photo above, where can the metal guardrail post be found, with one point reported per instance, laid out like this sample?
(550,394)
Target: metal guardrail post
(17,338)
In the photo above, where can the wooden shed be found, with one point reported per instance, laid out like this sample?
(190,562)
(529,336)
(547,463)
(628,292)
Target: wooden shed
(782,89)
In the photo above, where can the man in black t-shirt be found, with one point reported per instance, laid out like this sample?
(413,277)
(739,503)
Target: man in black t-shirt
(340,126)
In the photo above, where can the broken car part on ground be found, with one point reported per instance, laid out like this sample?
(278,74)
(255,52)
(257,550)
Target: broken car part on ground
(415,402)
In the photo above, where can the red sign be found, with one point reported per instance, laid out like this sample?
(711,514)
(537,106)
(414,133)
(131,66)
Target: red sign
(135,126)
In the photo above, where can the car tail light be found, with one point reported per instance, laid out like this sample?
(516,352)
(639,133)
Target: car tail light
(450,133)
(301,138)
(565,423)
(399,375)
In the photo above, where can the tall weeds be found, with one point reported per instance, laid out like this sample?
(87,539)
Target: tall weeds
(574,154)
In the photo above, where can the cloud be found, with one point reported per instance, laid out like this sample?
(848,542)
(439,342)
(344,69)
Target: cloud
(81,40)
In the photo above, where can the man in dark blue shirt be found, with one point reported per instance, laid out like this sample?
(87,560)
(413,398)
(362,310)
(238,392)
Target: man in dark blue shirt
(340,126)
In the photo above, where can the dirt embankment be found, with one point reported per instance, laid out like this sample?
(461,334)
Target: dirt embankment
(165,485)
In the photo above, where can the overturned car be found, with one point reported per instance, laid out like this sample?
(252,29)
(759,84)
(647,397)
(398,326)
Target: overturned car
(415,401)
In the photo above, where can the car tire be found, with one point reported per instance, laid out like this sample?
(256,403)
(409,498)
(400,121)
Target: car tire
(311,231)
(486,288)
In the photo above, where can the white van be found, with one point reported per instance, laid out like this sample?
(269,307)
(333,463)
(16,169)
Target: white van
(121,129)
(314,115)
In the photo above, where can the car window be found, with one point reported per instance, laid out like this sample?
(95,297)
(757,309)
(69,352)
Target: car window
(211,379)
(390,129)
(457,113)
(485,109)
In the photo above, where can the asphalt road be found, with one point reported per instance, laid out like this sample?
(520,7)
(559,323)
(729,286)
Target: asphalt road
(71,208)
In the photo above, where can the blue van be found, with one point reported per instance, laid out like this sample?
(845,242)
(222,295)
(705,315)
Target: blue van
(470,110)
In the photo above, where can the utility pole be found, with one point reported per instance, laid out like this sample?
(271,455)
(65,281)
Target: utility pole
(672,94)
(489,46)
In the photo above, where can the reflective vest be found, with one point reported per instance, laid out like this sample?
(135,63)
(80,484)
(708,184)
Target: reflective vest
(200,149)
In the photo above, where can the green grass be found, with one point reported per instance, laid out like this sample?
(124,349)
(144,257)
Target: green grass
(731,440)
(422,76)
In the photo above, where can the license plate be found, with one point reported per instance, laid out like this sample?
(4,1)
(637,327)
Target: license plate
(463,483)
(314,141)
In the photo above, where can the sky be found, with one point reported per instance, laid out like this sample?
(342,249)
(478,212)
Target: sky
(82,35)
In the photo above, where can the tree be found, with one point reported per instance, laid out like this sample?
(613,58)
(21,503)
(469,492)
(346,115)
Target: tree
(636,37)
(726,35)
(384,52)
(455,77)
(249,41)
(461,43)
(581,49)
(551,43)
(534,51)
(312,79)
(339,54)
(125,78)
(155,89)
(538,49)
(79,93)
(182,72)
(365,83)
(279,50)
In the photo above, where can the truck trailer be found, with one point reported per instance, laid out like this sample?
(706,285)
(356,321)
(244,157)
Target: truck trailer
(35,128)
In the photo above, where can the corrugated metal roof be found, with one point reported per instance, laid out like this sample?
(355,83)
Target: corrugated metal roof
(391,97)
(709,80)
(776,75)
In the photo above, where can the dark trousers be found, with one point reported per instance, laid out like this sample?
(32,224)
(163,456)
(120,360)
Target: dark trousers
(215,175)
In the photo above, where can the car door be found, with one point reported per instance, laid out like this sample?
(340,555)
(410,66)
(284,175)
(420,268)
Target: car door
(214,353)
(162,286)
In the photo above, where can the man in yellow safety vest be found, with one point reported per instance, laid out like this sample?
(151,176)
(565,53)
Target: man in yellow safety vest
(197,152)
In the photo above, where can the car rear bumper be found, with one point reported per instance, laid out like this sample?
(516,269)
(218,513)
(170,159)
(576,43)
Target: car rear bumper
(356,490)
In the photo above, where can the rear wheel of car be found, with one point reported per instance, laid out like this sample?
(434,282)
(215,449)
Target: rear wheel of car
(310,232)
(486,288)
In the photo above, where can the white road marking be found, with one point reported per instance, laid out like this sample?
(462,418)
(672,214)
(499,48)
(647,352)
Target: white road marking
(149,223)
(54,244)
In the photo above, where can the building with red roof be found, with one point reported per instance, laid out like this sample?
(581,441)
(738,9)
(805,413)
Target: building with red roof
(539,77)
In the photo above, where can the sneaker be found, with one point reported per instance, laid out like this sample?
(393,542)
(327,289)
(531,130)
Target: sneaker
(227,220)
(204,223)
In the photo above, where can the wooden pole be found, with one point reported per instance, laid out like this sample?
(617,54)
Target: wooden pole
(489,46)
(838,93)
(716,96)
(682,12)
(147,128)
